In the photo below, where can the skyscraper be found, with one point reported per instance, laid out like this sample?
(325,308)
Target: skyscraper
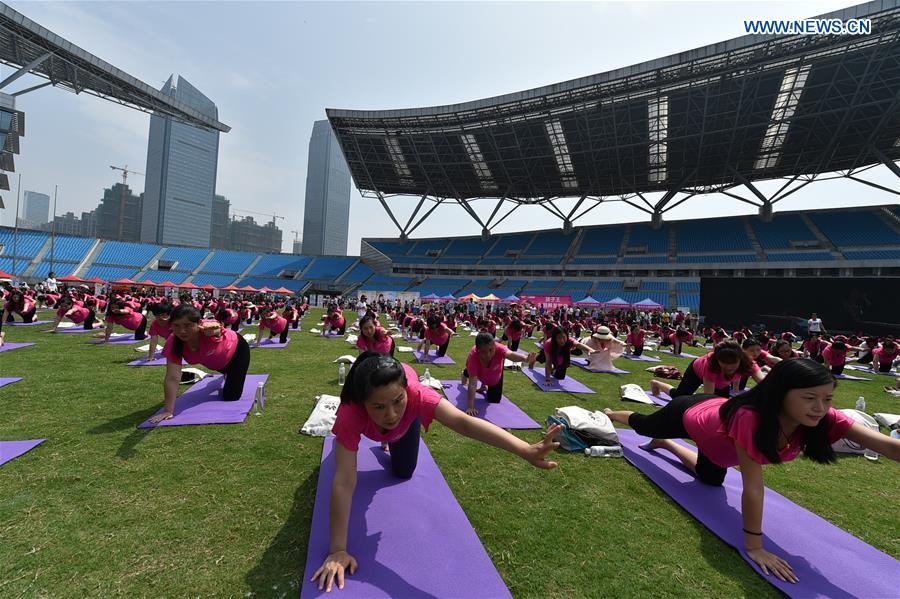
(37,208)
(326,216)
(119,214)
(181,173)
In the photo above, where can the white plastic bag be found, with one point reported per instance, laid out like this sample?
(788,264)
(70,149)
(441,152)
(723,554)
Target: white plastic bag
(322,418)
(633,392)
(596,424)
(848,446)
(345,360)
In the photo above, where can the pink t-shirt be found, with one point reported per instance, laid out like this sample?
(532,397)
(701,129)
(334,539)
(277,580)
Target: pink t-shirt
(560,351)
(512,334)
(352,421)
(706,429)
(834,357)
(131,320)
(78,315)
(383,346)
(635,340)
(336,320)
(701,369)
(884,357)
(276,325)
(490,374)
(213,352)
(438,337)
(159,330)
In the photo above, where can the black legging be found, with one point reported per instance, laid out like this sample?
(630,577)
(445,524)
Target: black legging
(690,382)
(514,345)
(140,333)
(494,392)
(885,366)
(89,320)
(638,350)
(236,325)
(442,349)
(405,451)
(668,423)
(281,338)
(236,371)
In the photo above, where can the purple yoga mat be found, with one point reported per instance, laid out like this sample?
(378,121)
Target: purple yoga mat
(850,377)
(25,324)
(413,339)
(641,358)
(505,414)
(683,354)
(272,343)
(128,340)
(12,346)
(661,399)
(583,363)
(829,562)
(160,360)
(330,334)
(201,404)
(9,380)
(567,384)
(77,329)
(10,450)
(432,357)
(409,537)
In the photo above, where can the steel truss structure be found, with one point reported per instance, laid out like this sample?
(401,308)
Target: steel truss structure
(30,48)
(722,117)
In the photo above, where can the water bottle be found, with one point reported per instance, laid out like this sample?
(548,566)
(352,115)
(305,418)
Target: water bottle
(342,373)
(427,374)
(861,404)
(259,398)
(604,451)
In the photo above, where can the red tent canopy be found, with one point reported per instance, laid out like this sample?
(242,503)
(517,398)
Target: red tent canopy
(69,279)
(231,288)
(266,290)
(283,290)
(248,288)
(95,280)
(168,285)
(147,282)
(124,281)
(188,286)
(208,287)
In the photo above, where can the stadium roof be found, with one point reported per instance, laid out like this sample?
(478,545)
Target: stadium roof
(751,108)
(28,47)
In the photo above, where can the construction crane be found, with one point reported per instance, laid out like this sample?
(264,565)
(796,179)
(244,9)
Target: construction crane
(273,215)
(125,173)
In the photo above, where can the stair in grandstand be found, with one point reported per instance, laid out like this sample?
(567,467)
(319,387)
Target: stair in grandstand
(823,239)
(576,243)
(142,274)
(89,259)
(374,258)
(37,258)
(202,264)
(891,217)
(754,241)
(249,268)
(624,244)
(673,244)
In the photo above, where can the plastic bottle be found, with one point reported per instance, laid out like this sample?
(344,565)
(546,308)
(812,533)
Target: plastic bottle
(604,451)
(861,404)
(259,398)
(342,373)
(427,374)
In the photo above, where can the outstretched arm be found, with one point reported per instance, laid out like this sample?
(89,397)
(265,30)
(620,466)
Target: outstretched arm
(874,440)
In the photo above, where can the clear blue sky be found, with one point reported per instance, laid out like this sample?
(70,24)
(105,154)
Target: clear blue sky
(273,68)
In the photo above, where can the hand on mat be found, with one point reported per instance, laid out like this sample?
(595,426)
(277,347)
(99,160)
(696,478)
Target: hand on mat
(160,417)
(472,411)
(333,569)
(536,452)
(772,564)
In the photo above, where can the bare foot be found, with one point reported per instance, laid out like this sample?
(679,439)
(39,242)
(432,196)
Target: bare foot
(652,444)
(654,388)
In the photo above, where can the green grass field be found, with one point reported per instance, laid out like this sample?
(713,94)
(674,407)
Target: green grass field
(103,509)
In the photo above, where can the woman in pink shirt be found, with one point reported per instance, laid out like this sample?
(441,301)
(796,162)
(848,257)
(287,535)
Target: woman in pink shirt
(18,303)
(334,321)
(74,311)
(207,343)
(119,313)
(485,365)
(784,350)
(788,412)
(229,317)
(835,355)
(437,333)
(513,332)
(557,354)
(384,401)
(678,339)
(715,372)
(753,350)
(277,325)
(634,340)
(812,347)
(160,327)
(885,355)
(374,338)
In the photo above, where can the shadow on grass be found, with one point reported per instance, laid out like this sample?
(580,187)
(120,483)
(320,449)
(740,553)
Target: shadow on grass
(283,562)
(130,421)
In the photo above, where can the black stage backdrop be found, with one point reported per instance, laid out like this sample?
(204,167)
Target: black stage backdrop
(870,305)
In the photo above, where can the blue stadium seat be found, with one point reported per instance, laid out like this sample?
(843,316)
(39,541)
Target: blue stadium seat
(539,260)
(687,286)
(713,235)
(783,229)
(272,264)
(123,253)
(27,244)
(688,300)
(111,273)
(872,255)
(60,269)
(465,247)
(549,243)
(657,241)
(188,259)
(391,248)
(602,240)
(591,260)
(358,274)
(497,260)
(214,280)
(645,259)
(848,228)
(423,246)
(610,285)
(231,263)
(328,268)
(161,276)
(510,242)
(716,259)
(801,257)
(412,259)
(655,285)
(70,249)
